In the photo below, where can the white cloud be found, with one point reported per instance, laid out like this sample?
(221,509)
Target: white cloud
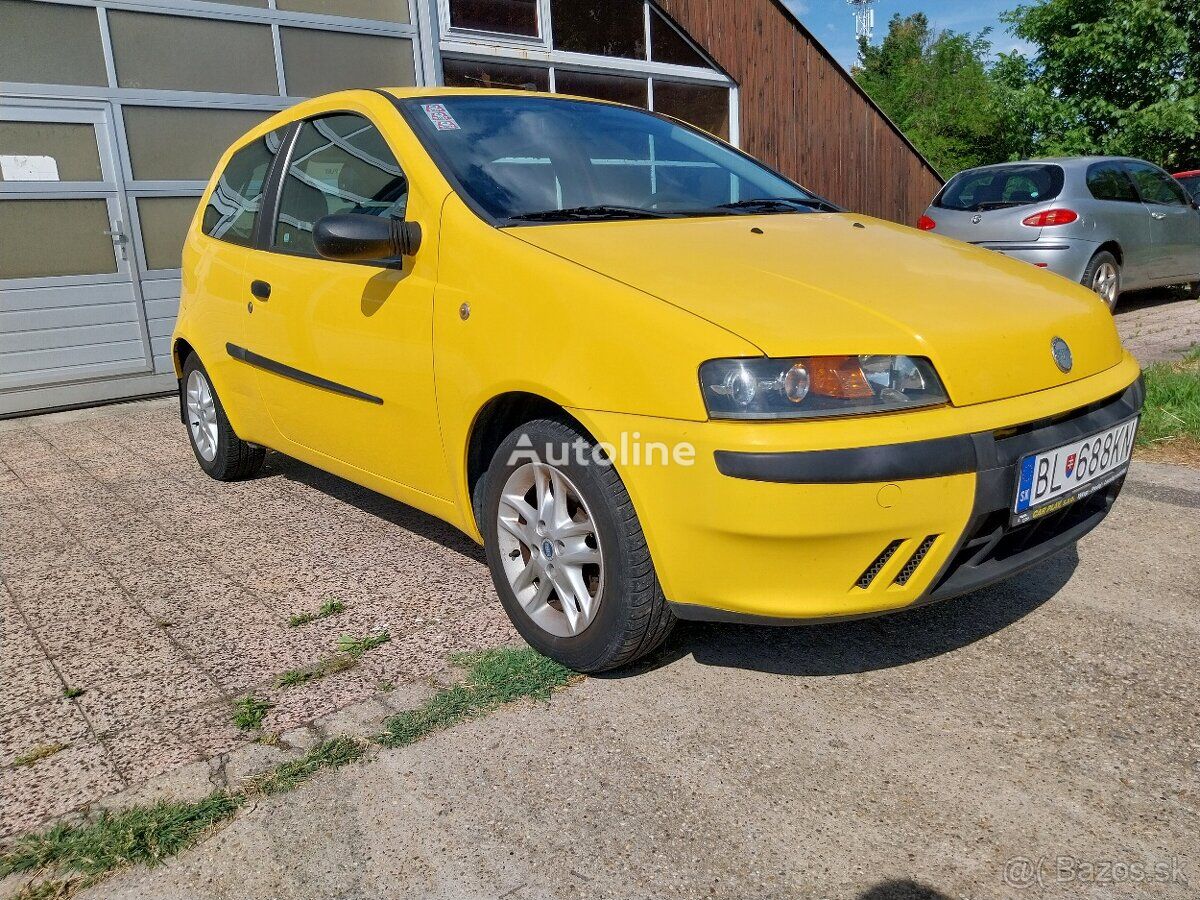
(799,7)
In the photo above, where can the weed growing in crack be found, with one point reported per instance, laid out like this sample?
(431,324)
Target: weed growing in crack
(328,608)
(494,677)
(37,753)
(356,647)
(249,711)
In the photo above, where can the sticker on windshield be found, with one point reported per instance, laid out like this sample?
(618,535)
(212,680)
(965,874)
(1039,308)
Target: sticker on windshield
(440,116)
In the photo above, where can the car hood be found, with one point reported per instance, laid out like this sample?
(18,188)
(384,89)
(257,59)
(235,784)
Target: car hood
(816,284)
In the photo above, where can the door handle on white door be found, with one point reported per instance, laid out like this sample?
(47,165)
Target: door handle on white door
(119,238)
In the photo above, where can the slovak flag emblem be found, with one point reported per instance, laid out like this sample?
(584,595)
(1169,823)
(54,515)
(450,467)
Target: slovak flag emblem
(1070,464)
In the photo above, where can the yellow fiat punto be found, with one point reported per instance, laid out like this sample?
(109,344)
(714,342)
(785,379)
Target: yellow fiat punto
(654,378)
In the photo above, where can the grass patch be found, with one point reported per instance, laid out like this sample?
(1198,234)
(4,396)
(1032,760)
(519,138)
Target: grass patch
(249,711)
(331,754)
(39,752)
(494,677)
(356,647)
(338,663)
(142,834)
(76,856)
(1172,411)
(328,608)
(72,692)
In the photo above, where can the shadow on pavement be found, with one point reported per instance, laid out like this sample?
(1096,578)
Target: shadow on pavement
(1135,300)
(865,645)
(393,511)
(902,889)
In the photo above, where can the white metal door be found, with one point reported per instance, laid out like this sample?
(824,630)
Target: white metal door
(69,303)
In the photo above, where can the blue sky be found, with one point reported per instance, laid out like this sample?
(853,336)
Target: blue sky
(833,23)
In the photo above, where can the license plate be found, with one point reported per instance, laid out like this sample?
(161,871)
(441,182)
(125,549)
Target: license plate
(1056,478)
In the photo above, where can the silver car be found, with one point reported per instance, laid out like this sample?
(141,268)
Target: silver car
(1111,223)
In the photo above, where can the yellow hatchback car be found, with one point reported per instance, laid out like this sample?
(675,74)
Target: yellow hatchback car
(654,378)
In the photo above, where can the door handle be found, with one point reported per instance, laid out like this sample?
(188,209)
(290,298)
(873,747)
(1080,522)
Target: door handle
(1155,215)
(260,289)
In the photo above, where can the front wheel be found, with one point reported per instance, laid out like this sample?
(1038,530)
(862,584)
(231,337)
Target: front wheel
(566,551)
(1103,275)
(219,451)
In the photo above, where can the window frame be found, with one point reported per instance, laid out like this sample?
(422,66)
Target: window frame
(481,35)
(1128,164)
(1114,164)
(264,235)
(268,192)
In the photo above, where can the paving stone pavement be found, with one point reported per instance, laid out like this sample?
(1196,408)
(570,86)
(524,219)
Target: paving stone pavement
(1158,325)
(163,596)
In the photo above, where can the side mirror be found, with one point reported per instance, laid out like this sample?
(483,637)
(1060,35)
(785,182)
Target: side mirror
(355,237)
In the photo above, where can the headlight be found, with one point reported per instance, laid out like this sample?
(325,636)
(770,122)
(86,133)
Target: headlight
(807,386)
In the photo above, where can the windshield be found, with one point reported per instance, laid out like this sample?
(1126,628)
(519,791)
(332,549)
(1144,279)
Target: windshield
(538,159)
(1001,186)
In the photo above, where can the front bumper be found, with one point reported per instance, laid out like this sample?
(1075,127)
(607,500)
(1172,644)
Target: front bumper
(774,535)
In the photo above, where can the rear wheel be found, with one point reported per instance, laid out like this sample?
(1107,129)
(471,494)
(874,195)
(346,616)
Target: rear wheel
(219,451)
(566,550)
(1103,275)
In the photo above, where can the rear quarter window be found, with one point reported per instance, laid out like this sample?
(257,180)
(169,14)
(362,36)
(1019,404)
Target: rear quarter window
(232,210)
(1001,186)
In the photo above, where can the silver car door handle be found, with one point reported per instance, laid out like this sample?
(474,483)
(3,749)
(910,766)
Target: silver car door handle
(1158,215)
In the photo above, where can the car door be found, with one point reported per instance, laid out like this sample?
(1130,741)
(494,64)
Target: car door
(343,352)
(1121,215)
(1174,224)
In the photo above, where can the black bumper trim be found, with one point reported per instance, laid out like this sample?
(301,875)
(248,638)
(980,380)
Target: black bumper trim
(888,462)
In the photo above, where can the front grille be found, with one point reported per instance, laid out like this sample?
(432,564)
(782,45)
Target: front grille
(872,571)
(914,561)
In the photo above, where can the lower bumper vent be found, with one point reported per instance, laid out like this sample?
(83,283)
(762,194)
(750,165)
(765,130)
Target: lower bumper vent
(914,561)
(873,570)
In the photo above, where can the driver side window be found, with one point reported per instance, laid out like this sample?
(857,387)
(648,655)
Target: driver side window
(340,164)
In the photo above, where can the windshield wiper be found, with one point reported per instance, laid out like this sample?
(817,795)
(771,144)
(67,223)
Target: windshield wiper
(584,213)
(779,204)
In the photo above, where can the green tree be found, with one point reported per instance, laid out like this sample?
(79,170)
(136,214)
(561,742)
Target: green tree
(937,87)
(1108,76)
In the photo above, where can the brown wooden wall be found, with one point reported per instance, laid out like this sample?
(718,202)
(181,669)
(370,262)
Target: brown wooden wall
(802,113)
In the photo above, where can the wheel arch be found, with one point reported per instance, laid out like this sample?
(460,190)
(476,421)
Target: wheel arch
(1114,248)
(180,351)
(495,421)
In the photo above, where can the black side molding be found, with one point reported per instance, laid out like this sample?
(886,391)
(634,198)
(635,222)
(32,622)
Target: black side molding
(261,362)
(888,462)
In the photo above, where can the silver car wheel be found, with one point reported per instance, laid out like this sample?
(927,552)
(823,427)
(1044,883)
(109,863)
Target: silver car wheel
(1106,281)
(550,549)
(202,415)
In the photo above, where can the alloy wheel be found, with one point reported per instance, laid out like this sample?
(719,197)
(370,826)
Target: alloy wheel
(1105,282)
(550,549)
(202,415)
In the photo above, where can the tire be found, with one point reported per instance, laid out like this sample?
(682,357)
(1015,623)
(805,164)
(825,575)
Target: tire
(219,451)
(1095,278)
(617,610)
(1192,291)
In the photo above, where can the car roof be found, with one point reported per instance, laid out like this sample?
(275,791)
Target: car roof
(1187,174)
(1067,162)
